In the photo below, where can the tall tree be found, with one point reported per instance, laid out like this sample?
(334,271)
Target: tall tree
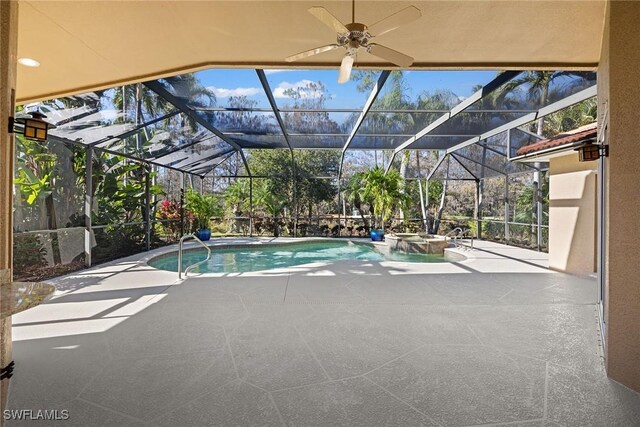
(385,190)
(314,191)
(273,203)
(353,195)
(310,98)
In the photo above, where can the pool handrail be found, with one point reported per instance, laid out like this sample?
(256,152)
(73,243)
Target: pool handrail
(186,270)
(457,235)
(455,232)
(466,232)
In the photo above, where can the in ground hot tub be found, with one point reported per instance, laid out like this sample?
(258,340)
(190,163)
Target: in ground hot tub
(415,243)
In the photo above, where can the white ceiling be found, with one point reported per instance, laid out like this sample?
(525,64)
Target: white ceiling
(87,45)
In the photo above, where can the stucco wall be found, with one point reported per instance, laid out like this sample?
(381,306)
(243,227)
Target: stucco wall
(572,215)
(619,96)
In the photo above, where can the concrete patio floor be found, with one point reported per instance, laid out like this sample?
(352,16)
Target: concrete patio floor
(495,339)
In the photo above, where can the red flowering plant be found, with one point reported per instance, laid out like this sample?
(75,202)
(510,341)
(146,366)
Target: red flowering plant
(168,215)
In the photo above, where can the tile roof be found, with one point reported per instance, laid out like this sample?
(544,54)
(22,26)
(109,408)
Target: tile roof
(581,134)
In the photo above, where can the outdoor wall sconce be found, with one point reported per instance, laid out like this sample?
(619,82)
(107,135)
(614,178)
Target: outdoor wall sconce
(591,152)
(34,127)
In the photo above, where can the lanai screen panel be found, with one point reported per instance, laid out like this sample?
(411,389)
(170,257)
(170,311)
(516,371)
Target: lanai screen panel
(316,90)
(438,142)
(322,141)
(375,142)
(238,123)
(206,165)
(450,169)
(410,102)
(318,122)
(429,90)
(491,159)
(232,101)
(360,161)
(513,100)
(259,141)
(86,120)
(100,116)
(158,139)
(133,121)
(317,112)
(209,114)
(421,163)
(209,149)
(396,122)
(519,138)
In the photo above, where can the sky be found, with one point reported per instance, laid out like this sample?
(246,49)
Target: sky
(228,82)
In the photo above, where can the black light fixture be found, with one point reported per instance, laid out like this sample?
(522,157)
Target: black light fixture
(34,127)
(591,152)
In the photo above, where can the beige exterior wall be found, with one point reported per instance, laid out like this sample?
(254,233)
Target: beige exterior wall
(572,215)
(8,52)
(619,97)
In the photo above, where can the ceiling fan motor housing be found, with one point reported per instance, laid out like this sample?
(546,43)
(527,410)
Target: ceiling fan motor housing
(356,37)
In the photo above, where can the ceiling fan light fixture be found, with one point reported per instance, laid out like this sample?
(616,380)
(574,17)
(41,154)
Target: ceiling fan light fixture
(345,67)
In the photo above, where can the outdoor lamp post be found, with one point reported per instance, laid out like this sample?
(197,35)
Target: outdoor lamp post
(34,127)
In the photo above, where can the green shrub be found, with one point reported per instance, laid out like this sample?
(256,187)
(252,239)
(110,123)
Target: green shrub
(203,206)
(28,252)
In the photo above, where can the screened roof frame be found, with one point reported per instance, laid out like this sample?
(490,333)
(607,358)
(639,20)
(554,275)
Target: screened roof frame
(205,164)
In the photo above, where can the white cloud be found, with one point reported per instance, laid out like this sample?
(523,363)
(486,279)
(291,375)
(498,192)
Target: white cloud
(274,71)
(301,86)
(221,92)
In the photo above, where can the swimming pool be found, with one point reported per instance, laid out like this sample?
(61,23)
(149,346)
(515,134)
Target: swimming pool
(267,257)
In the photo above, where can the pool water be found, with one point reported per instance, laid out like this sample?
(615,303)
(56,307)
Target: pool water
(242,260)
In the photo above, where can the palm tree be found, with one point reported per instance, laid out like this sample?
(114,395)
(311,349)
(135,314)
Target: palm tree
(538,86)
(236,196)
(188,87)
(140,98)
(273,203)
(353,195)
(570,118)
(145,102)
(384,190)
(236,200)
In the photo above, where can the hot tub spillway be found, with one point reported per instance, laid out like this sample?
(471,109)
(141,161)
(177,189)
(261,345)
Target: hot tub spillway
(417,243)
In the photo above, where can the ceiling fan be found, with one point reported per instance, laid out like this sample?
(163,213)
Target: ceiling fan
(356,35)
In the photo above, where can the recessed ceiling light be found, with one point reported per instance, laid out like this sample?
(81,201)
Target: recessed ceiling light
(29,62)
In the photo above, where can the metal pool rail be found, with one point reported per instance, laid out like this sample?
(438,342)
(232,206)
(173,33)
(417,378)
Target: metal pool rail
(186,270)
(457,235)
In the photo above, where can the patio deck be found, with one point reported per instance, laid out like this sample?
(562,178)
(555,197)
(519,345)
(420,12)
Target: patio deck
(495,339)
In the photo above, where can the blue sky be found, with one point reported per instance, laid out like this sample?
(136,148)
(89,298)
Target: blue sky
(227,82)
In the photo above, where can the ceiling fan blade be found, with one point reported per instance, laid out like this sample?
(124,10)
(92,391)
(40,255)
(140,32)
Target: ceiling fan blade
(311,52)
(345,68)
(392,22)
(390,55)
(328,19)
